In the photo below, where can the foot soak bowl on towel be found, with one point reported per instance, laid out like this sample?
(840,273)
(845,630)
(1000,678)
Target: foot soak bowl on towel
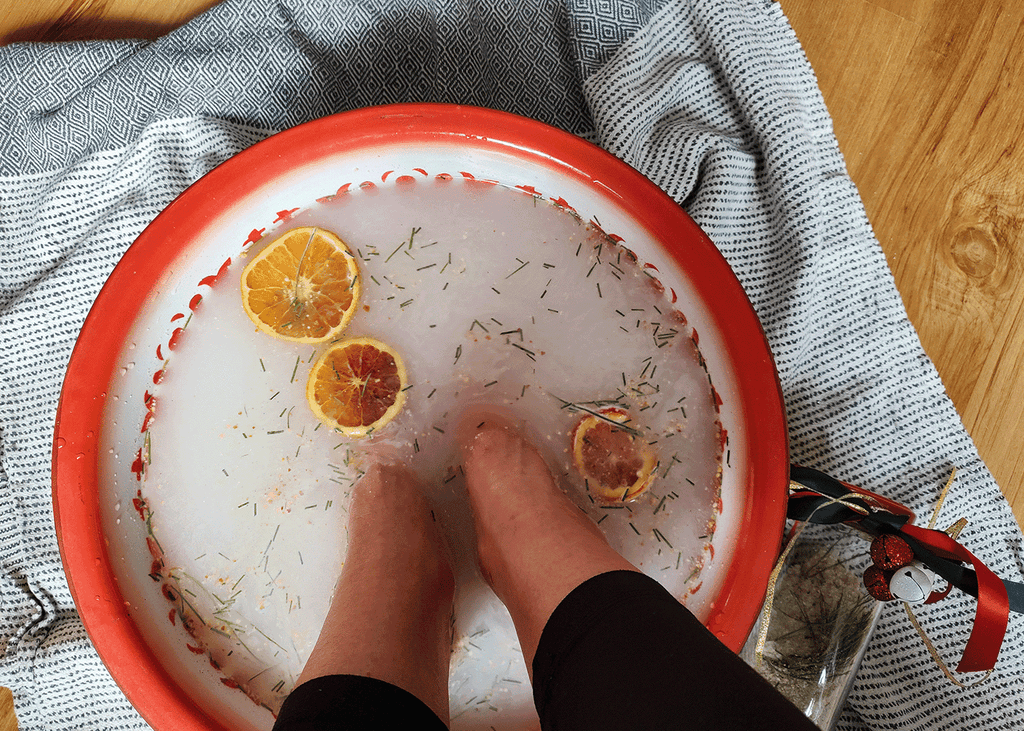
(201,500)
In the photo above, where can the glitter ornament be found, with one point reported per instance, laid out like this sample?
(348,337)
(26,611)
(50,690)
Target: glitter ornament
(876,580)
(891,552)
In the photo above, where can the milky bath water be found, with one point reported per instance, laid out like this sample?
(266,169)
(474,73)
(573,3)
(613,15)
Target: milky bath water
(491,296)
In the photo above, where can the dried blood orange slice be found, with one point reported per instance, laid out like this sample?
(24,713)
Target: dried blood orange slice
(356,386)
(303,287)
(617,464)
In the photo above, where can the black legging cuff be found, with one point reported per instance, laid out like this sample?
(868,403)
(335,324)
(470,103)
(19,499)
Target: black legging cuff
(619,652)
(354,703)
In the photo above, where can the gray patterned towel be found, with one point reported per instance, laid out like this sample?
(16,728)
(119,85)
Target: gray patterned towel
(712,99)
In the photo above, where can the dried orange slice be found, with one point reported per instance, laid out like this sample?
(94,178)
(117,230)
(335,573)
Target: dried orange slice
(616,463)
(356,386)
(303,287)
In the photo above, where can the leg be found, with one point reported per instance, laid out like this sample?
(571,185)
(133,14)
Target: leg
(534,545)
(617,651)
(390,618)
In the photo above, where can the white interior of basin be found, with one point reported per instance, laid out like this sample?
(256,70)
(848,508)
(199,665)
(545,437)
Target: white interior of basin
(223,238)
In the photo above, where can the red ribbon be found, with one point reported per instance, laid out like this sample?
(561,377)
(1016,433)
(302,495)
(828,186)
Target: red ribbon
(993,613)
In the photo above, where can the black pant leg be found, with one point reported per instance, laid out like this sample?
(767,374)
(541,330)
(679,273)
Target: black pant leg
(619,652)
(354,703)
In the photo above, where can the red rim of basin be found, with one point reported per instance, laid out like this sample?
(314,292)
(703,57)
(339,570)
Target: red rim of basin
(75,455)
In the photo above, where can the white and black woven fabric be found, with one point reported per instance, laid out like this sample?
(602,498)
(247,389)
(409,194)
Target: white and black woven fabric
(712,99)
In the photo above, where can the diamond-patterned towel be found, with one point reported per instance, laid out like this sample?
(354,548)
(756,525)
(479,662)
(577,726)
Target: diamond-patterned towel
(712,99)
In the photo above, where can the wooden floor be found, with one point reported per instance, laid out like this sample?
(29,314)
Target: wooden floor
(926,97)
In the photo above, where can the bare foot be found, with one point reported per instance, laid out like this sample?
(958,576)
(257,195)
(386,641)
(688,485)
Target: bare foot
(533,543)
(390,618)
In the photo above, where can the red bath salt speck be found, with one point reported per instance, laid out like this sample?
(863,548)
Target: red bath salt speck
(147,397)
(368,185)
(229,682)
(676,316)
(421,171)
(147,422)
(723,437)
(214,664)
(159,352)
(343,189)
(285,215)
(158,376)
(711,551)
(528,189)
(169,593)
(697,588)
(172,617)
(154,547)
(674,297)
(467,176)
(716,397)
(175,337)
(695,338)
(138,465)
(156,567)
(656,284)
(443,177)
(712,526)
(178,316)
(194,650)
(648,265)
(405,180)
(255,235)
(618,239)
(191,626)
(214,278)
(193,304)
(384,177)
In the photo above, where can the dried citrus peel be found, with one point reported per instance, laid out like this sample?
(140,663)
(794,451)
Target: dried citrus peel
(303,287)
(357,386)
(616,465)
